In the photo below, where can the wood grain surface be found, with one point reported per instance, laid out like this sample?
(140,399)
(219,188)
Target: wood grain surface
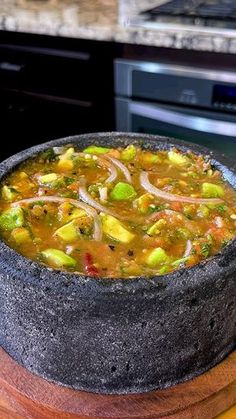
(228,414)
(24,395)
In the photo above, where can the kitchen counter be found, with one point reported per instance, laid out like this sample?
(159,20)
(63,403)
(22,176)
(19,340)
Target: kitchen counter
(110,20)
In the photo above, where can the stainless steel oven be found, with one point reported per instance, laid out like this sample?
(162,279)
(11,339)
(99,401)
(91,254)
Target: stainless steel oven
(194,104)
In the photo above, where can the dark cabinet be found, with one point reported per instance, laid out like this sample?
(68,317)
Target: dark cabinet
(51,88)
(28,119)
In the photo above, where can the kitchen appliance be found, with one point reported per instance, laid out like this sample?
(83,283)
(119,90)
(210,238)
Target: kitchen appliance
(221,13)
(195,104)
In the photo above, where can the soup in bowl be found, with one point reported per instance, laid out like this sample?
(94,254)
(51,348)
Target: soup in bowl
(118,260)
(147,212)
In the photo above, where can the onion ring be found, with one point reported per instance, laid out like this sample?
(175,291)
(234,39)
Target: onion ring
(122,168)
(97,234)
(171,197)
(103,162)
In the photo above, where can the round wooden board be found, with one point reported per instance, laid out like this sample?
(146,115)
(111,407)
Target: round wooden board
(25,395)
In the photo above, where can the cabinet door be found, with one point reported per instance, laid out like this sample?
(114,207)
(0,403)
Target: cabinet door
(53,87)
(46,71)
(28,119)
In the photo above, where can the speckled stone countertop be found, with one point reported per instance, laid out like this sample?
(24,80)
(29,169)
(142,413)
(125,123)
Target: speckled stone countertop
(110,20)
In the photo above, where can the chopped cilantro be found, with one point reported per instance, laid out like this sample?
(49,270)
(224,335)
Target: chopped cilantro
(205,249)
(221,208)
(68,180)
(156,208)
(48,155)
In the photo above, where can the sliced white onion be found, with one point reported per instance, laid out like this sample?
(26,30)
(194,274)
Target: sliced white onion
(111,168)
(102,162)
(122,168)
(69,249)
(157,215)
(171,197)
(188,249)
(219,222)
(97,234)
(86,197)
(103,194)
(58,150)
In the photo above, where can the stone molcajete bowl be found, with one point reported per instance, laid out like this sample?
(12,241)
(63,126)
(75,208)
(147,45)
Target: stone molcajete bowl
(118,336)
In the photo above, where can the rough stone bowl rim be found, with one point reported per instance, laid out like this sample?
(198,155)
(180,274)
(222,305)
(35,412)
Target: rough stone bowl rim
(55,280)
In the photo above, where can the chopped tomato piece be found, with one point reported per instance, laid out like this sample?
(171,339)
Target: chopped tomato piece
(176,206)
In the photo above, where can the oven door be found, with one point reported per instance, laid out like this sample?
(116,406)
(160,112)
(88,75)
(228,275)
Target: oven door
(216,131)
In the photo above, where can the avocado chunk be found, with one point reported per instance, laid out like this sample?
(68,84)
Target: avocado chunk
(68,232)
(178,262)
(66,212)
(93,149)
(143,203)
(68,154)
(21,235)
(182,233)
(65,160)
(114,229)
(157,257)
(177,158)
(210,190)
(77,213)
(51,179)
(12,218)
(203,211)
(155,229)
(65,164)
(122,192)
(150,158)
(58,258)
(9,193)
(163,270)
(128,153)
(23,175)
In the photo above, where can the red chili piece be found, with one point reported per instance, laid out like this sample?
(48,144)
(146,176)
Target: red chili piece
(89,267)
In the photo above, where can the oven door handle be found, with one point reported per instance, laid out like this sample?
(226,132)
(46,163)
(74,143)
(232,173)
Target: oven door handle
(196,123)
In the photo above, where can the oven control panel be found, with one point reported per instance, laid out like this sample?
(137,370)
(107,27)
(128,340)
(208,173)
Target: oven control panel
(224,97)
(176,85)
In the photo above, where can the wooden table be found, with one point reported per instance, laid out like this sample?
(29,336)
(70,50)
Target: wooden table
(228,414)
(24,395)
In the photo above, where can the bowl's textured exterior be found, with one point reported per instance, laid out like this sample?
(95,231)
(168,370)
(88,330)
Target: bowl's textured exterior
(118,336)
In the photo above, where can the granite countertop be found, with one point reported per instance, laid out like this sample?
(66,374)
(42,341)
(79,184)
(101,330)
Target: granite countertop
(110,20)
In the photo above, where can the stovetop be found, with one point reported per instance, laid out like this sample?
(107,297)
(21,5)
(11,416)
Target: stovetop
(219,13)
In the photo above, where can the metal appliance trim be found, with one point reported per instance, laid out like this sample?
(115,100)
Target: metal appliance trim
(195,123)
(175,70)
